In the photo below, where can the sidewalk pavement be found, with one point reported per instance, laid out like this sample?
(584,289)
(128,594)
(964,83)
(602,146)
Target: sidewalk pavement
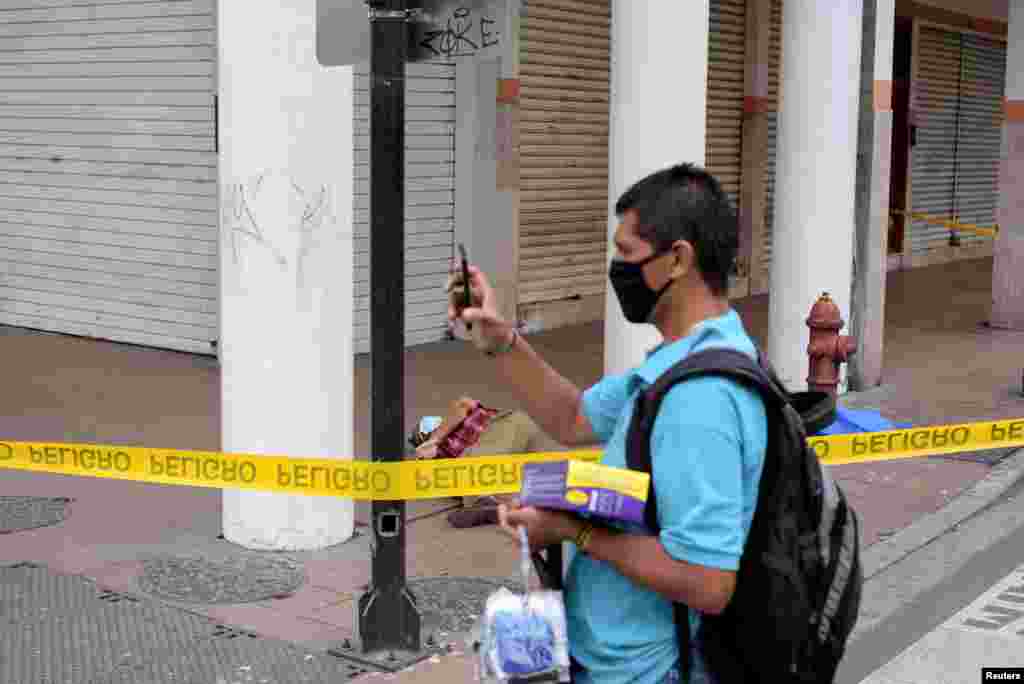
(941,367)
(951,607)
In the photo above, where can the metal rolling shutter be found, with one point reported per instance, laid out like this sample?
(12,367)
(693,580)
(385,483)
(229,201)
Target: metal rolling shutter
(108,186)
(937,79)
(429,201)
(726,52)
(980,133)
(774,93)
(564,108)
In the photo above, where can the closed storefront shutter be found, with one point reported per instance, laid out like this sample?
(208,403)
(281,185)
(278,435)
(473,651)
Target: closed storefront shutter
(429,201)
(108,187)
(726,49)
(980,133)
(774,100)
(564,109)
(933,157)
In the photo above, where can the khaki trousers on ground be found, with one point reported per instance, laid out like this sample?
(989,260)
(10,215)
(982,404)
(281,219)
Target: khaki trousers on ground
(511,432)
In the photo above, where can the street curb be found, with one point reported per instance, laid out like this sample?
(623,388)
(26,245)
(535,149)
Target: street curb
(883,554)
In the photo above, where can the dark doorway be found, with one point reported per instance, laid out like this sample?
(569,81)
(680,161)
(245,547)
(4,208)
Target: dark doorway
(901,132)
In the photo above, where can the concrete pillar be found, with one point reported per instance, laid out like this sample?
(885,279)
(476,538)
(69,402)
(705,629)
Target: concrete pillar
(487,159)
(658,102)
(1008,274)
(286,176)
(874,159)
(812,248)
(484,208)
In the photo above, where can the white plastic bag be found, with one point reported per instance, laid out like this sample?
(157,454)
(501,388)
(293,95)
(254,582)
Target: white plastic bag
(523,635)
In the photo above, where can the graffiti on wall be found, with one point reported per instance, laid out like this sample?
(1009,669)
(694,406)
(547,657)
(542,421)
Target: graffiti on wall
(463,33)
(240,219)
(310,208)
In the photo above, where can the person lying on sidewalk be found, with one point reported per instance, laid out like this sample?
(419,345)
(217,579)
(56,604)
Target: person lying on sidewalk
(469,429)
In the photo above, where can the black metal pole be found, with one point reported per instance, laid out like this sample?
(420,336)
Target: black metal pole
(388,617)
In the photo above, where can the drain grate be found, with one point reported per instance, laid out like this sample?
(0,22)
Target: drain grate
(59,629)
(20,513)
(240,660)
(225,632)
(62,628)
(240,579)
(20,565)
(109,596)
(65,628)
(30,592)
(354,669)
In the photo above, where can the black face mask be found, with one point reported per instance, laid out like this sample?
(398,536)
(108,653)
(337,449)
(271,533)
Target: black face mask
(636,298)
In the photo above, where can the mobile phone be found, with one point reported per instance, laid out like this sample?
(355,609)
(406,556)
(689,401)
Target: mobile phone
(467,299)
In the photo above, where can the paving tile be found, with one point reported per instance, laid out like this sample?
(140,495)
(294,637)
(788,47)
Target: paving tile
(480,552)
(29,545)
(443,670)
(309,598)
(73,559)
(338,576)
(890,471)
(117,576)
(276,624)
(886,506)
(340,614)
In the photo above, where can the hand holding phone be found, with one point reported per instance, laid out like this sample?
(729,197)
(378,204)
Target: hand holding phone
(488,331)
(467,299)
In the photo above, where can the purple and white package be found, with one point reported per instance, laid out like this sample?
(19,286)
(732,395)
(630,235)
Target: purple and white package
(583,487)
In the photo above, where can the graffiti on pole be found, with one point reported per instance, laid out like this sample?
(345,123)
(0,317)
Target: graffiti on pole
(438,30)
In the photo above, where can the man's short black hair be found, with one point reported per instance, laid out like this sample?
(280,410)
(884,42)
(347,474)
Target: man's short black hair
(685,202)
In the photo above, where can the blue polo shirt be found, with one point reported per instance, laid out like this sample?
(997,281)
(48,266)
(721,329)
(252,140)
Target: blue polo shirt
(707,449)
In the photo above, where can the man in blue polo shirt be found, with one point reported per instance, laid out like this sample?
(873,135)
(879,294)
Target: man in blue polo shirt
(676,244)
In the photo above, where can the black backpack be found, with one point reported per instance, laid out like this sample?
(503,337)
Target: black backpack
(798,587)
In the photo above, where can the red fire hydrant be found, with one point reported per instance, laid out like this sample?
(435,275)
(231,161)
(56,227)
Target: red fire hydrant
(827,349)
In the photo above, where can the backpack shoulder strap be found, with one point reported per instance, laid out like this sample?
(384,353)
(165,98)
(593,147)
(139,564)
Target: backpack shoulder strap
(720,362)
(717,361)
(813,410)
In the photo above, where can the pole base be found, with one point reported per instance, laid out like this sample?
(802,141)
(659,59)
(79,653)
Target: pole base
(392,661)
(379,610)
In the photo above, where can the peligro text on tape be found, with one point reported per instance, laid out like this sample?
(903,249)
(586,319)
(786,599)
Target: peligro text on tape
(916,442)
(361,480)
(431,479)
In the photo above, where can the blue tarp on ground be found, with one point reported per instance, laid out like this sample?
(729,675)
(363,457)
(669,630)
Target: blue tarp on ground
(849,421)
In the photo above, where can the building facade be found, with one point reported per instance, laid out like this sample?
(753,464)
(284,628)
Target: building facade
(110,204)
(109,193)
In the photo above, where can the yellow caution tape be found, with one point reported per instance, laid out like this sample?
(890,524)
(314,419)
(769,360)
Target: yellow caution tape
(947,223)
(432,479)
(932,440)
(360,480)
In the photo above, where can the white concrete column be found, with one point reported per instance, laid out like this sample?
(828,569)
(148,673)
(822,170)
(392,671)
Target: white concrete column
(658,101)
(1008,268)
(867,314)
(286,264)
(812,249)
(480,199)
